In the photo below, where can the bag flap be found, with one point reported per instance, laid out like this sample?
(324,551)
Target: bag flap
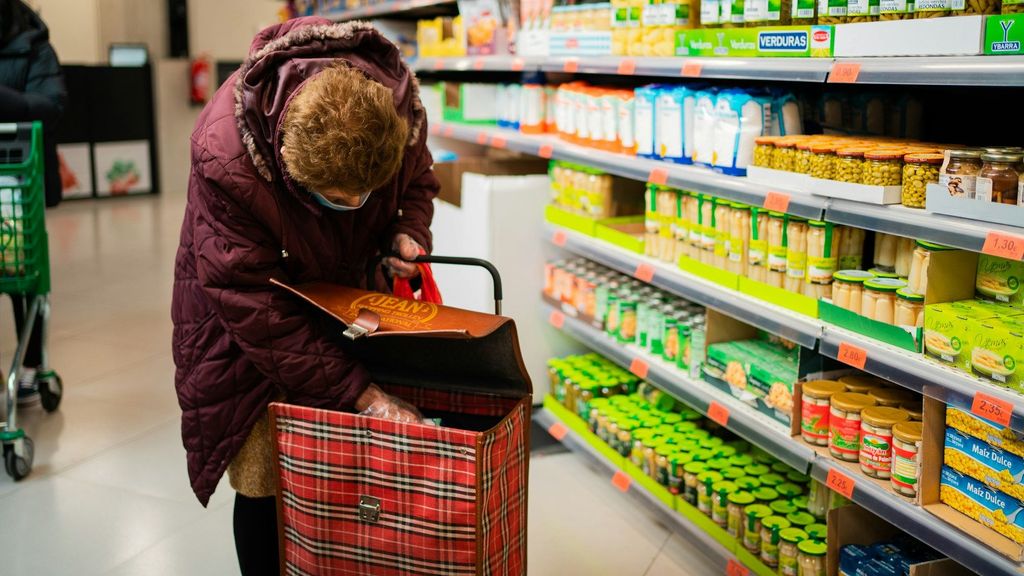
(424,344)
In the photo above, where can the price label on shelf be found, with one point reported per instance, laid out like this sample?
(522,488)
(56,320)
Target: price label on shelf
(435,129)
(622,481)
(572,65)
(557,319)
(1004,245)
(852,355)
(482,138)
(627,67)
(844,73)
(776,202)
(840,482)
(545,151)
(498,142)
(559,238)
(691,69)
(438,64)
(658,176)
(478,64)
(718,413)
(992,408)
(639,367)
(644,272)
(448,131)
(558,431)
(734,568)
(518,64)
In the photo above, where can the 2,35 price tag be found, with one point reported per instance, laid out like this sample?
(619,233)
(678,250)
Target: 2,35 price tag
(734,568)
(992,408)
(841,483)
(852,355)
(1004,245)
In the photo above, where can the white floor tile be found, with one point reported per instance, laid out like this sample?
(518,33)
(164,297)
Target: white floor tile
(680,557)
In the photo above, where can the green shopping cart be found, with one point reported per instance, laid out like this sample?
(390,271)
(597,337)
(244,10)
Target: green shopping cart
(24,270)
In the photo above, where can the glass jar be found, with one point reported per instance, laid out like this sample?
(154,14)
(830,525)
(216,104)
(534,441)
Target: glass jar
(883,167)
(904,255)
(790,539)
(849,165)
(818,499)
(876,439)
(747,483)
(811,557)
(960,174)
(693,214)
(782,507)
(878,301)
(862,383)
(832,11)
(755,515)
(691,483)
(784,155)
(737,513)
(661,469)
(800,519)
(739,239)
(814,410)
(915,409)
(789,490)
(772,479)
(917,279)
(891,397)
(777,248)
(844,425)
(719,502)
(707,235)
(848,289)
(885,252)
(998,179)
(822,251)
(906,460)
(817,532)
(931,8)
(823,157)
(919,170)
(909,308)
(705,488)
(802,158)
(723,222)
(733,473)
(770,538)
(765,495)
(764,146)
(757,252)
(796,254)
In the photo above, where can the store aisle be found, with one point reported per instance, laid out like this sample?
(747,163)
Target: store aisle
(109,493)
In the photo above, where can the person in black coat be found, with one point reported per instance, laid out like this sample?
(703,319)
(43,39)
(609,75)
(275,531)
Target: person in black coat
(31,88)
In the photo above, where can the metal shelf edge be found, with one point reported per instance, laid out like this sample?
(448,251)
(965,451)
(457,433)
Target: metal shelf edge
(383,9)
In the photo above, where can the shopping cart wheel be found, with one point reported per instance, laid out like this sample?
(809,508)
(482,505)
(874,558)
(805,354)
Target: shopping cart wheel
(51,390)
(17,466)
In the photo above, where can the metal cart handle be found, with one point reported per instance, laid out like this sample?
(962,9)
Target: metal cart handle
(460,261)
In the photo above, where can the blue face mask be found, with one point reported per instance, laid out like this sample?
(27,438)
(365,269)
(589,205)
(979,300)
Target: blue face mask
(339,207)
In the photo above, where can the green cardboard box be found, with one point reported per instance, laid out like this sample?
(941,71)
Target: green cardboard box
(1004,34)
(764,42)
(946,335)
(994,351)
(999,279)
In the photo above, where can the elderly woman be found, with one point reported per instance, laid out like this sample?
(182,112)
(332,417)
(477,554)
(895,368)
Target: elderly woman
(309,162)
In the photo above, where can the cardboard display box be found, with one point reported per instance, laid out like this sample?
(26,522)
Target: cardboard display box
(939,201)
(710,273)
(780,297)
(625,232)
(449,174)
(766,42)
(959,36)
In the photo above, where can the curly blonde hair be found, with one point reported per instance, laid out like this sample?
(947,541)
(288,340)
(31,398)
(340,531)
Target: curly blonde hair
(342,131)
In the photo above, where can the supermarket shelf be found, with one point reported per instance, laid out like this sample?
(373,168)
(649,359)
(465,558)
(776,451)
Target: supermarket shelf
(941,70)
(688,177)
(796,327)
(391,8)
(920,224)
(752,426)
(924,526)
(920,374)
(669,518)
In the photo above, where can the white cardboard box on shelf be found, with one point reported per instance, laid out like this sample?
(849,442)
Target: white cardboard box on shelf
(780,178)
(856,192)
(959,36)
(940,202)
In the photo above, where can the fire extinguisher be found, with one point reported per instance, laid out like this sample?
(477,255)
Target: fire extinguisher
(200,80)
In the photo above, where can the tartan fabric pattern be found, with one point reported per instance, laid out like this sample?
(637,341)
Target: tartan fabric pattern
(452,401)
(430,481)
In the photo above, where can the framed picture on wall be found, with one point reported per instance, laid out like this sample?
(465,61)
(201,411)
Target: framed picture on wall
(75,170)
(122,168)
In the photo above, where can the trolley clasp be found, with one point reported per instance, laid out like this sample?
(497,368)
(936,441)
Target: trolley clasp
(366,323)
(369,509)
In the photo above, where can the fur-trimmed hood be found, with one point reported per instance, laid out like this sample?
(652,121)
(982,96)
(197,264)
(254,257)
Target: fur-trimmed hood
(282,57)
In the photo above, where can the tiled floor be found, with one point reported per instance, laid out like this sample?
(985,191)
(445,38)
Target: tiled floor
(109,492)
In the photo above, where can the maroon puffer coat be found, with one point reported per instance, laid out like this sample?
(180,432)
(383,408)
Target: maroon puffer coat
(238,341)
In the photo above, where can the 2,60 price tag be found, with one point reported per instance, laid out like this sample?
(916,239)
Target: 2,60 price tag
(992,408)
(734,568)
(1004,245)
(840,482)
(852,355)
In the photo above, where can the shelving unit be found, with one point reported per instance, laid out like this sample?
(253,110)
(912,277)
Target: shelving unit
(406,8)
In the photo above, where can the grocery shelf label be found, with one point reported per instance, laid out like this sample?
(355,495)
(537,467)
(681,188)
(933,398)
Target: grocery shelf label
(658,176)
(448,131)
(844,73)
(571,66)
(776,202)
(644,272)
(622,481)
(481,138)
(435,129)
(734,568)
(852,355)
(639,367)
(557,319)
(559,238)
(438,64)
(627,67)
(498,142)
(840,483)
(1004,245)
(992,408)
(478,64)
(558,431)
(546,151)
(691,69)
(518,64)
(718,413)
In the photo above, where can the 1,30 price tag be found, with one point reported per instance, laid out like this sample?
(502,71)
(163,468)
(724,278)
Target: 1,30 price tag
(644,272)
(658,176)
(852,355)
(844,73)
(992,408)
(546,151)
(557,319)
(559,238)
(734,568)
(1004,245)
(691,69)
(841,483)
(639,367)
(776,202)
(718,413)
(627,67)
(558,431)
(622,481)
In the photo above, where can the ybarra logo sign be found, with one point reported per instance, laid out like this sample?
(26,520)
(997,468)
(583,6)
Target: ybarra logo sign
(1006,45)
(782,41)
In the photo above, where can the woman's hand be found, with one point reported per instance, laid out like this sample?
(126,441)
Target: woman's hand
(408,249)
(379,404)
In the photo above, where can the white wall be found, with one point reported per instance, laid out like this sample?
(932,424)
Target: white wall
(223,29)
(74,29)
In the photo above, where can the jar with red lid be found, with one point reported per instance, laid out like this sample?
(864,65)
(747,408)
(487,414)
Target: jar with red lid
(919,170)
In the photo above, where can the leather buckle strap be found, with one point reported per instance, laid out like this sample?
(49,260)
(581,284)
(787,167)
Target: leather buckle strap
(366,323)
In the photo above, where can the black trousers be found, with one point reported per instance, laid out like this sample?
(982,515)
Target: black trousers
(255,523)
(34,352)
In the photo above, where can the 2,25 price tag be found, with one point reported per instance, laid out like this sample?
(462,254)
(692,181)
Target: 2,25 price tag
(852,355)
(734,568)
(841,483)
(992,408)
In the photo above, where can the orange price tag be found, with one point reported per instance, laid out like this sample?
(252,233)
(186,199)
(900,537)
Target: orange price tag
(435,129)
(438,64)
(840,482)
(498,141)
(776,202)
(734,568)
(518,64)
(1004,245)
(482,138)
(478,64)
(718,413)
(546,151)
(639,367)
(658,176)
(571,65)
(622,481)
(557,319)
(627,67)
(852,355)
(691,69)
(644,272)
(992,408)
(844,73)
(448,131)
(558,431)
(559,238)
